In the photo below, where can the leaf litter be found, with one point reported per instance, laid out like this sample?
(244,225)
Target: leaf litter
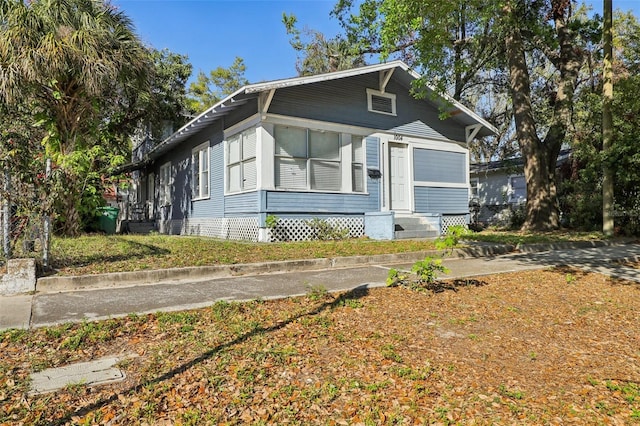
(523,348)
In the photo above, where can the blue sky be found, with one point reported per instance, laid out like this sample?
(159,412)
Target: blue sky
(213,32)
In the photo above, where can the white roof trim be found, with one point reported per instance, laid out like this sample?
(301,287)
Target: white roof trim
(297,81)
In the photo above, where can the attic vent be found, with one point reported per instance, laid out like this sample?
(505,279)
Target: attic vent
(383,103)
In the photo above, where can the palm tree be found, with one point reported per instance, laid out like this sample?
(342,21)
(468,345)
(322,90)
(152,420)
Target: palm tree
(72,60)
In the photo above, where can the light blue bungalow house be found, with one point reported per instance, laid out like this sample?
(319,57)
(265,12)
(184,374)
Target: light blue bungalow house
(353,148)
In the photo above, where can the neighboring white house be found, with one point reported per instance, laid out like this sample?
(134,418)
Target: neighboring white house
(499,188)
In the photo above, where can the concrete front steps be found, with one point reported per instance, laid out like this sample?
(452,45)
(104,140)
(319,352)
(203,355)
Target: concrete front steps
(138,227)
(413,227)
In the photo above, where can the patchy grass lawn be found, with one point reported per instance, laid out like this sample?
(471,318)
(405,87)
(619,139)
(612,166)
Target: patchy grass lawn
(539,347)
(95,254)
(515,237)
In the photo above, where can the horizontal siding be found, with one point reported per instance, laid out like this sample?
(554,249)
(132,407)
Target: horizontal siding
(493,187)
(431,165)
(315,202)
(373,162)
(419,129)
(344,101)
(239,204)
(441,200)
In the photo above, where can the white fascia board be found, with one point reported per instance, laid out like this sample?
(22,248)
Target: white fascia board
(203,119)
(297,81)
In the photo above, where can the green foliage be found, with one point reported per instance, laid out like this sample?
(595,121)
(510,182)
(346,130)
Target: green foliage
(452,237)
(323,230)
(271,221)
(77,70)
(167,102)
(318,54)
(89,332)
(317,292)
(207,90)
(581,191)
(425,273)
(473,48)
(396,278)
(514,394)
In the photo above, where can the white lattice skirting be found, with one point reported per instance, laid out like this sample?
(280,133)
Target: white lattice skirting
(247,228)
(290,229)
(228,228)
(454,220)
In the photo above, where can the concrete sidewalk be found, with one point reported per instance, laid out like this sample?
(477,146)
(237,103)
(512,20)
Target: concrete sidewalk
(72,302)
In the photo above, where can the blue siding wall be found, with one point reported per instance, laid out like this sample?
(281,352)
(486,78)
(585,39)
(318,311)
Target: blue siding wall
(441,200)
(318,202)
(239,204)
(373,162)
(431,165)
(345,101)
(181,187)
(182,205)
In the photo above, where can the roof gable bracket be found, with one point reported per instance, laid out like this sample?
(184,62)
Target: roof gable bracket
(472,131)
(265,102)
(385,76)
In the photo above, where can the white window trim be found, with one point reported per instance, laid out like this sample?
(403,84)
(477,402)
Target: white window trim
(202,147)
(165,187)
(241,161)
(391,96)
(362,163)
(344,189)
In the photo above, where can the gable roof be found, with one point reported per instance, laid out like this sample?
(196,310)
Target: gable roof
(252,91)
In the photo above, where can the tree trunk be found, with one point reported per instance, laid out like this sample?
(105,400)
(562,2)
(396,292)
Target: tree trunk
(540,157)
(541,208)
(607,123)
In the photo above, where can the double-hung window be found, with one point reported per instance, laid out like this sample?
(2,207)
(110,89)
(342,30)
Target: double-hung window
(200,171)
(357,162)
(165,184)
(307,159)
(241,161)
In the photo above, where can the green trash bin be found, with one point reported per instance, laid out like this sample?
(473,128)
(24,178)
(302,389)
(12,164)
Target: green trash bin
(108,219)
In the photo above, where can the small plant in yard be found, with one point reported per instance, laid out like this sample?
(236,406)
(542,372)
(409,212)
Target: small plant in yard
(317,292)
(427,270)
(514,394)
(323,230)
(570,278)
(396,278)
(389,352)
(425,274)
(271,221)
(452,237)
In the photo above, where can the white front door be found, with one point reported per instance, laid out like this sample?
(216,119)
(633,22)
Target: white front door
(399,176)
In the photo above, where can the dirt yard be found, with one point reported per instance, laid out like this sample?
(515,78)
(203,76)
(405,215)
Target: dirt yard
(543,347)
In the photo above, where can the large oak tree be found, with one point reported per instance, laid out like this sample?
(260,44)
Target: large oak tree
(467,46)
